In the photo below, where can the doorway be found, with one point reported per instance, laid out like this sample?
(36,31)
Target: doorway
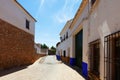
(78,48)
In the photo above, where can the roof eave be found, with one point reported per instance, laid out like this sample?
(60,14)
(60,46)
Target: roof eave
(25,10)
(79,11)
(65,25)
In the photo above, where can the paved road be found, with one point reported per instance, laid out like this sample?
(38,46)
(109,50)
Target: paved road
(46,68)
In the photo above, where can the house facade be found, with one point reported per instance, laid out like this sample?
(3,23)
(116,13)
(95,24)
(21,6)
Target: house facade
(96,26)
(64,47)
(37,48)
(17,29)
(101,38)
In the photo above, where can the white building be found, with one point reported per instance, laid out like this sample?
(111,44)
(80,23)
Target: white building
(102,39)
(95,33)
(17,30)
(64,48)
(12,12)
(40,50)
(37,48)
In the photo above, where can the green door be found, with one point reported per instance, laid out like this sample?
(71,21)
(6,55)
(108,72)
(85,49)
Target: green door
(78,48)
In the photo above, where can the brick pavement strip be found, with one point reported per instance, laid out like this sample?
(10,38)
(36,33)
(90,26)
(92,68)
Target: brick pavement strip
(46,68)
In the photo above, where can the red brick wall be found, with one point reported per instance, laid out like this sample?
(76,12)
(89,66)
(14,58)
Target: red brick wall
(16,46)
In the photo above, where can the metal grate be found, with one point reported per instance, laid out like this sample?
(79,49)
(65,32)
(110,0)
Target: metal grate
(94,57)
(112,56)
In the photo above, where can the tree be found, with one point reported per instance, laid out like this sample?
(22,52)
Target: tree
(52,51)
(44,46)
(53,48)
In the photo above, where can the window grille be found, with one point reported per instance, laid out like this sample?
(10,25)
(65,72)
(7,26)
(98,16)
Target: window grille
(94,57)
(112,56)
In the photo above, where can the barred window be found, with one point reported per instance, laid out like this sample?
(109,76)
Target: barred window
(112,56)
(94,57)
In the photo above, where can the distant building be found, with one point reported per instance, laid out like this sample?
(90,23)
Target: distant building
(44,51)
(65,46)
(17,29)
(37,48)
(40,50)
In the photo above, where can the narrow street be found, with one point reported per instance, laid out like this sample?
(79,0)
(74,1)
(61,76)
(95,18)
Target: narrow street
(45,68)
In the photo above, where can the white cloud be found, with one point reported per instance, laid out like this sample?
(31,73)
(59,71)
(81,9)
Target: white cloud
(62,18)
(66,12)
(41,2)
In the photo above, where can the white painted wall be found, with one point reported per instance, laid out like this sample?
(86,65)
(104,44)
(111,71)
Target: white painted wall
(37,49)
(64,46)
(76,29)
(81,18)
(67,43)
(11,13)
(104,20)
(44,51)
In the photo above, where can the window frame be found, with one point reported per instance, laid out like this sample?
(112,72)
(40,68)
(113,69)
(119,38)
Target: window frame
(66,35)
(110,59)
(64,53)
(92,47)
(27,24)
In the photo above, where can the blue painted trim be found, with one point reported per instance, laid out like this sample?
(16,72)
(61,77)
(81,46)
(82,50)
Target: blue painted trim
(85,69)
(72,61)
(58,57)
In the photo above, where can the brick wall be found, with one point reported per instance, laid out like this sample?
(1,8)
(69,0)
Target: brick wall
(16,46)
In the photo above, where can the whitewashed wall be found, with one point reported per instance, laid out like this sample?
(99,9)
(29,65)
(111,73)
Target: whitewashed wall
(67,43)
(64,46)
(11,13)
(37,49)
(104,20)
(76,29)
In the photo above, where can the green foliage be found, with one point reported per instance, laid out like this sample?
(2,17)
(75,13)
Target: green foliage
(53,49)
(44,46)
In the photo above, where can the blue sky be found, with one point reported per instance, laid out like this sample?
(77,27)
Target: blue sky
(51,16)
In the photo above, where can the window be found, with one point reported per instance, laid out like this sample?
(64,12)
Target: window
(92,2)
(64,53)
(27,24)
(66,35)
(61,52)
(112,56)
(61,39)
(94,57)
